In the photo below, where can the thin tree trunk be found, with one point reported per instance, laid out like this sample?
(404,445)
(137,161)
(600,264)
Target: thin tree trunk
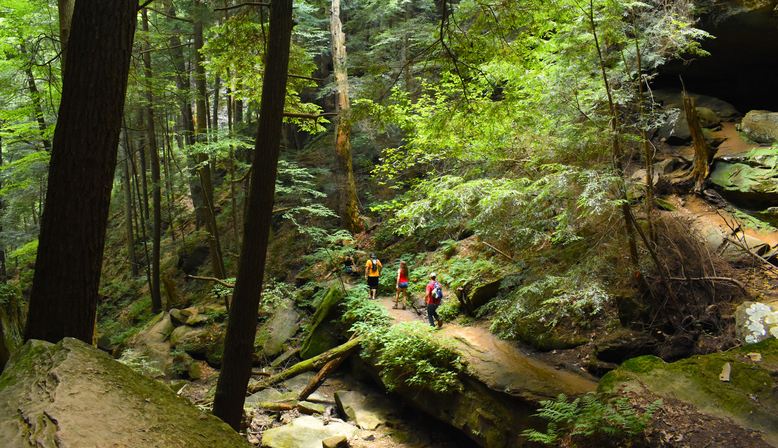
(242,324)
(185,104)
(349,209)
(144,186)
(616,148)
(3,271)
(65,8)
(156,191)
(128,213)
(36,105)
(201,133)
(83,160)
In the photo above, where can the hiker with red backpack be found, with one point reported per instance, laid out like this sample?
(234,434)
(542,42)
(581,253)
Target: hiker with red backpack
(433,297)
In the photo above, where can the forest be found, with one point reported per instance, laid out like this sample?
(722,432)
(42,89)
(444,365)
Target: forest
(591,181)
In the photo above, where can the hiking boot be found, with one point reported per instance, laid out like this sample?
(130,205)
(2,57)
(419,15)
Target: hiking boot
(403,306)
(440,323)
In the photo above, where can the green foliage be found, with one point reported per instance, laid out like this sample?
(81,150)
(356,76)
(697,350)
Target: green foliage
(548,299)
(133,359)
(588,417)
(449,309)
(412,353)
(26,254)
(365,315)
(10,294)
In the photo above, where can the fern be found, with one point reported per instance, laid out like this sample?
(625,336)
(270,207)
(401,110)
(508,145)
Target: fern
(589,417)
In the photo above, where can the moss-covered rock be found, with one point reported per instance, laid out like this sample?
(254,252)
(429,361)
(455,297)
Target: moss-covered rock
(323,333)
(750,397)
(83,397)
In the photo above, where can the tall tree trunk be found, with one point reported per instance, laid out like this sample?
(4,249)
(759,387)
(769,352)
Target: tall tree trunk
(72,237)
(141,169)
(36,103)
(616,147)
(349,209)
(185,104)
(242,324)
(65,8)
(3,271)
(201,133)
(128,209)
(156,191)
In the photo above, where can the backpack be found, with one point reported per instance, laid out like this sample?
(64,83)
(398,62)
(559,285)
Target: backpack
(437,293)
(373,265)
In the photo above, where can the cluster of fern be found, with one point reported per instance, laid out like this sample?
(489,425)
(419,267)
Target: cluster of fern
(589,417)
(411,353)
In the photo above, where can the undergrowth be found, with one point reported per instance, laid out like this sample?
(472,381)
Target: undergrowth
(590,417)
(408,352)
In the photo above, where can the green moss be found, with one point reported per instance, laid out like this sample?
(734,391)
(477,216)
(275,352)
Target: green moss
(642,364)
(747,398)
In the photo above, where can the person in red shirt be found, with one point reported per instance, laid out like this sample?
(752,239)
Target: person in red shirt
(432,307)
(402,285)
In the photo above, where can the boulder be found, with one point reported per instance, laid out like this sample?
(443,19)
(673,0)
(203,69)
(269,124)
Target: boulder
(83,397)
(367,410)
(11,328)
(672,98)
(676,130)
(323,333)
(747,398)
(179,317)
(483,293)
(180,333)
(761,126)
(747,186)
(305,432)
(274,333)
(707,118)
(755,321)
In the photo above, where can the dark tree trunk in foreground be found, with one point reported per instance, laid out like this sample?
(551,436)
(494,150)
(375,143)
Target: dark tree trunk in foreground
(70,250)
(242,325)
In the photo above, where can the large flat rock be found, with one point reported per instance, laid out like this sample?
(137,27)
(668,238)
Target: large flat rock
(71,394)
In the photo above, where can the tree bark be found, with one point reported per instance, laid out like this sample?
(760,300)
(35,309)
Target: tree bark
(65,8)
(349,209)
(242,325)
(156,190)
(703,156)
(73,226)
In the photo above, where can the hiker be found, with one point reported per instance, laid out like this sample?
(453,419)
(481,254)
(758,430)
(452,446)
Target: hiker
(402,285)
(372,272)
(349,267)
(433,302)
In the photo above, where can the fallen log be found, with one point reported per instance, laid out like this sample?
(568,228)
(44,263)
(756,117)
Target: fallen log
(325,372)
(309,364)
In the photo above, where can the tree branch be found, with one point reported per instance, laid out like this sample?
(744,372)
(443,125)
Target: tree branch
(212,279)
(309,116)
(242,5)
